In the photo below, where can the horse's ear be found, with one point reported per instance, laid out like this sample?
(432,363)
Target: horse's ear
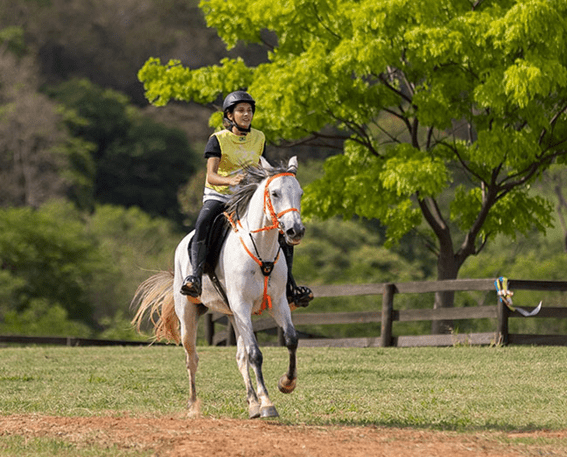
(265,164)
(292,165)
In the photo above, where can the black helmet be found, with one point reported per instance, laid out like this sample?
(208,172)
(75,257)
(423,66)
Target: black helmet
(234,98)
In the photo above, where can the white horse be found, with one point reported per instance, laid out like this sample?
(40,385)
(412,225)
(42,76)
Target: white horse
(251,271)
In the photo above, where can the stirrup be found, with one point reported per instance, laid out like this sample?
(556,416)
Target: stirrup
(301,296)
(192,286)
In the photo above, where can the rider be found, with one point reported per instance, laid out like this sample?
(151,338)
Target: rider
(228,152)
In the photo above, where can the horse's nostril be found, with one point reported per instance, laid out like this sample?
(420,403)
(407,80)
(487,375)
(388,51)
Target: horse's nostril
(296,233)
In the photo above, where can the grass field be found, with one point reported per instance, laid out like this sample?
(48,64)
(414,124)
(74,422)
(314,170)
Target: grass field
(462,389)
(512,388)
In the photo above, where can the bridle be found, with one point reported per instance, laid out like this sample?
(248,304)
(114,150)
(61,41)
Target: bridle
(269,207)
(265,267)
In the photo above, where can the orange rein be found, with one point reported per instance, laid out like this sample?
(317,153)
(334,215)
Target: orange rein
(265,267)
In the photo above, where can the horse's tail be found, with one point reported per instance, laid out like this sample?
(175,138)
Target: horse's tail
(154,299)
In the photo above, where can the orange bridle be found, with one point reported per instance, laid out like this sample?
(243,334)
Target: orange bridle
(269,207)
(266,267)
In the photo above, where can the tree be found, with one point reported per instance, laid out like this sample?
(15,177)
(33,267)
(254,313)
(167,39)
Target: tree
(47,260)
(138,162)
(106,41)
(39,159)
(450,109)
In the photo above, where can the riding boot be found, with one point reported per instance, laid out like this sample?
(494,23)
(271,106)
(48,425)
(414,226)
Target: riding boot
(298,295)
(192,284)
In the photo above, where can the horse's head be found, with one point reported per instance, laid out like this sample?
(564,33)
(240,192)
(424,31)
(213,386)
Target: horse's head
(283,201)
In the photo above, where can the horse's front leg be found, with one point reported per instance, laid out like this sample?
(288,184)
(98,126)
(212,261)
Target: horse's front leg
(282,316)
(243,324)
(244,368)
(287,382)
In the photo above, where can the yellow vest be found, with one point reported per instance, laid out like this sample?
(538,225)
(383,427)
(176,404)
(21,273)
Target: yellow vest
(238,151)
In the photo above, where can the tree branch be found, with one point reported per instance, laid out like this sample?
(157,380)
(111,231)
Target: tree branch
(432,214)
(320,20)
(312,141)
(389,86)
(468,247)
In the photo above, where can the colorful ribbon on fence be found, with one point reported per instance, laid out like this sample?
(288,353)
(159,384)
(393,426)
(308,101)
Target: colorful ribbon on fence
(505,296)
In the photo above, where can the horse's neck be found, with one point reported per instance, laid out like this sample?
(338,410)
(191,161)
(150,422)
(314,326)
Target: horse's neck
(255,218)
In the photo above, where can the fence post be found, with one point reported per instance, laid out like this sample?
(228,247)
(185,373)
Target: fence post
(209,328)
(281,339)
(387,312)
(230,335)
(503,314)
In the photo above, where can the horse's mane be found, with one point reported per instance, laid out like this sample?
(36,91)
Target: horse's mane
(253,176)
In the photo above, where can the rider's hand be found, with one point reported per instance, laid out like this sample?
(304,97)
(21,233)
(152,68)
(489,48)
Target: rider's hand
(235,180)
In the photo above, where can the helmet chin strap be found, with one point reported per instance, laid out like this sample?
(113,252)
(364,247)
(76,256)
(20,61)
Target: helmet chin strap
(244,130)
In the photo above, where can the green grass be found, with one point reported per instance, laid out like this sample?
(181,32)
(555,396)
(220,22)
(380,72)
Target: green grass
(460,388)
(48,447)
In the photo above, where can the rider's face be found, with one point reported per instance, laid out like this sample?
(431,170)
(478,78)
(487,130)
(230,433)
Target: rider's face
(242,114)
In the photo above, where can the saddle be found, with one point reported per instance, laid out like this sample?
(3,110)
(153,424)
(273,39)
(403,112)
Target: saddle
(214,242)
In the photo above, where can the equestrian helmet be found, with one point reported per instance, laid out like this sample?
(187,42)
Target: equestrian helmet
(234,98)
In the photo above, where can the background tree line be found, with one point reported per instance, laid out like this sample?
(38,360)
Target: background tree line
(96,186)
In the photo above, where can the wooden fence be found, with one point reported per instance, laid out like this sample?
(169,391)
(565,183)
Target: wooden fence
(385,313)
(68,341)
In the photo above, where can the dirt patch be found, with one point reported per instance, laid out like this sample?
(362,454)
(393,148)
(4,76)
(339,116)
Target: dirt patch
(207,437)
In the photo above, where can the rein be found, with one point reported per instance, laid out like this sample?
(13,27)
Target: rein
(265,267)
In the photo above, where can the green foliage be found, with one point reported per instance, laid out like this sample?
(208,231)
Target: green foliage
(66,273)
(532,257)
(134,245)
(12,38)
(47,261)
(477,88)
(103,112)
(44,318)
(138,162)
(344,252)
(352,185)
(173,81)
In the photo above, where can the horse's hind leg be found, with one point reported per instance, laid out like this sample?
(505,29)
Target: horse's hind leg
(244,368)
(189,317)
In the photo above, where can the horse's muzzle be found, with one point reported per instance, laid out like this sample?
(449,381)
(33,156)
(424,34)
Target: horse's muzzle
(294,234)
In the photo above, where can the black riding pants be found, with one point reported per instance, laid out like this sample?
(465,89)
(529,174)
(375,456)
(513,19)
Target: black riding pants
(210,210)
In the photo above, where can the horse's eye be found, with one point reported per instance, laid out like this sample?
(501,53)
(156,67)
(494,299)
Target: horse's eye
(275,194)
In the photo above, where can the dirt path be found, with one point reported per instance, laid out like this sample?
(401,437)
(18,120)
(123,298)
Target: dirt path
(176,436)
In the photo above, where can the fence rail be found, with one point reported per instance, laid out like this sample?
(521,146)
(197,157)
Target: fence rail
(67,341)
(385,314)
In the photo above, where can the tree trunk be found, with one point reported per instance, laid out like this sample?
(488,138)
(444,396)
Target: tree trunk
(447,268)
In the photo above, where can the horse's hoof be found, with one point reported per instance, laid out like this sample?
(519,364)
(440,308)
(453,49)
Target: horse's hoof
(269,411)
(194,409)
(286,385)
(254,411)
